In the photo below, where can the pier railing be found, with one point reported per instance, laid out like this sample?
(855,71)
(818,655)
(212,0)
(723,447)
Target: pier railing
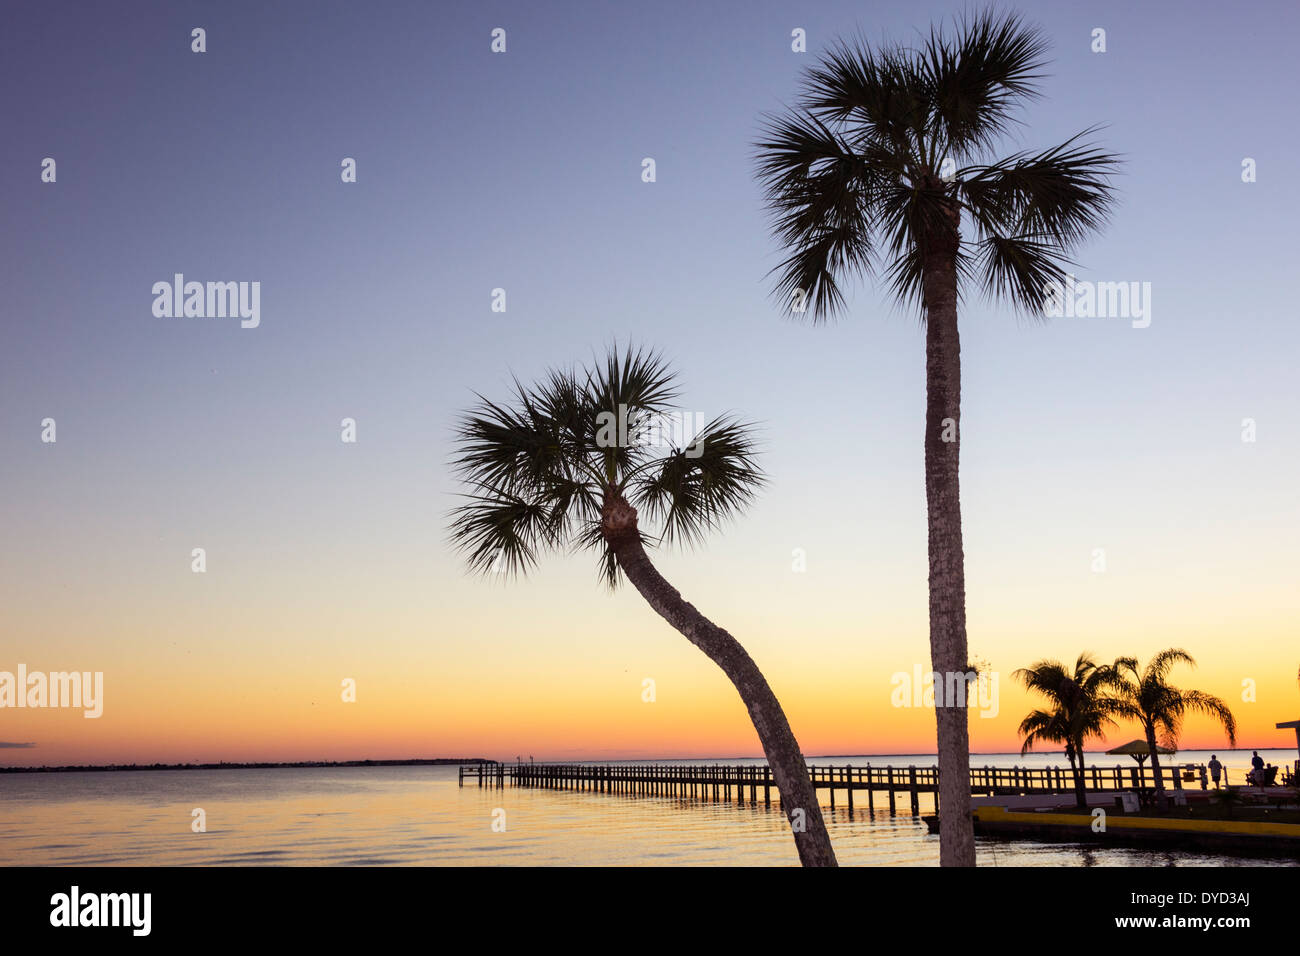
(720,781)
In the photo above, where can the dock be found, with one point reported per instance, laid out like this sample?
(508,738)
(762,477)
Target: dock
(735,781)
(1260,836)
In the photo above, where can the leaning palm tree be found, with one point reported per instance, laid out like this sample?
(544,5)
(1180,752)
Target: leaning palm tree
(1080,710)
(1146,696)
(571,463)
(887,164)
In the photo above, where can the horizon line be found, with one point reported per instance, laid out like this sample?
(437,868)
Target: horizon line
(447,761)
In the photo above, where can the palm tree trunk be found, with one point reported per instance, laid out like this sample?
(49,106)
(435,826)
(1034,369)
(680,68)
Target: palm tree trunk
(1080,781)
(1075,778)
(789,771)
(1161,799)
(947,561)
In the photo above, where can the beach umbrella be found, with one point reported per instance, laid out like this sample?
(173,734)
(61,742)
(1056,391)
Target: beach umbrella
(1138,750)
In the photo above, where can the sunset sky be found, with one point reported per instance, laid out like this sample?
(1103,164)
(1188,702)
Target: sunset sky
(522,171)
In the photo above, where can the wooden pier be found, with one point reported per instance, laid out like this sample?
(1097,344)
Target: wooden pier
(721,781)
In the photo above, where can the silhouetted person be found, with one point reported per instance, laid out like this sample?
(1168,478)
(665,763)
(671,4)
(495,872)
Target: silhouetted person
(1216,768)
(1257,769)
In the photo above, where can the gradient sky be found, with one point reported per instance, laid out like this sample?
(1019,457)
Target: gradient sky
(522,171)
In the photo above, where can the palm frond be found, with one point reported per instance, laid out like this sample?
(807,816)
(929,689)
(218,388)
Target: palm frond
(1062,194)
(1038,727)
(820,196)
(500,532)
(622,392)
(591,538)
(1208,705)
(1022,270)
(639,380)
(1046,677)
(503,446)
(692,490)
(876,94)
(1158,667)
(976,79)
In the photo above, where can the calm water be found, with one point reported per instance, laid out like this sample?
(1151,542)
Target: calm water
(419,816)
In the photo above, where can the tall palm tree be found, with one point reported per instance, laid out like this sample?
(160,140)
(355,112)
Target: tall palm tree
(566,463)
(886,165)
(1080,710)
(1145,695)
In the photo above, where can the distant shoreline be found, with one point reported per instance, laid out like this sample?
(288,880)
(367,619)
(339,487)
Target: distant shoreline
(301,765)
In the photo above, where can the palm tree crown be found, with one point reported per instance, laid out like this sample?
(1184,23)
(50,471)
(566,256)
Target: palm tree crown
(887,160)
(546,467)
(1079,708)
(1149,698)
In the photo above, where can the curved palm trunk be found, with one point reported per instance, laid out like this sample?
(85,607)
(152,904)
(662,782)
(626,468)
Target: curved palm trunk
(789,771)
(947,561)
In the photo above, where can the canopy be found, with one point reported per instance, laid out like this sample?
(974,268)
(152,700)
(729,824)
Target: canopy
(1138,750)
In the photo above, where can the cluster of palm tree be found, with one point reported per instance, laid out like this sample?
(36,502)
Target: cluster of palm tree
(886,164)
(1086,702)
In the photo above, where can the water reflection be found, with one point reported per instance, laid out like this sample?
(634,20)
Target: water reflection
(395,816)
